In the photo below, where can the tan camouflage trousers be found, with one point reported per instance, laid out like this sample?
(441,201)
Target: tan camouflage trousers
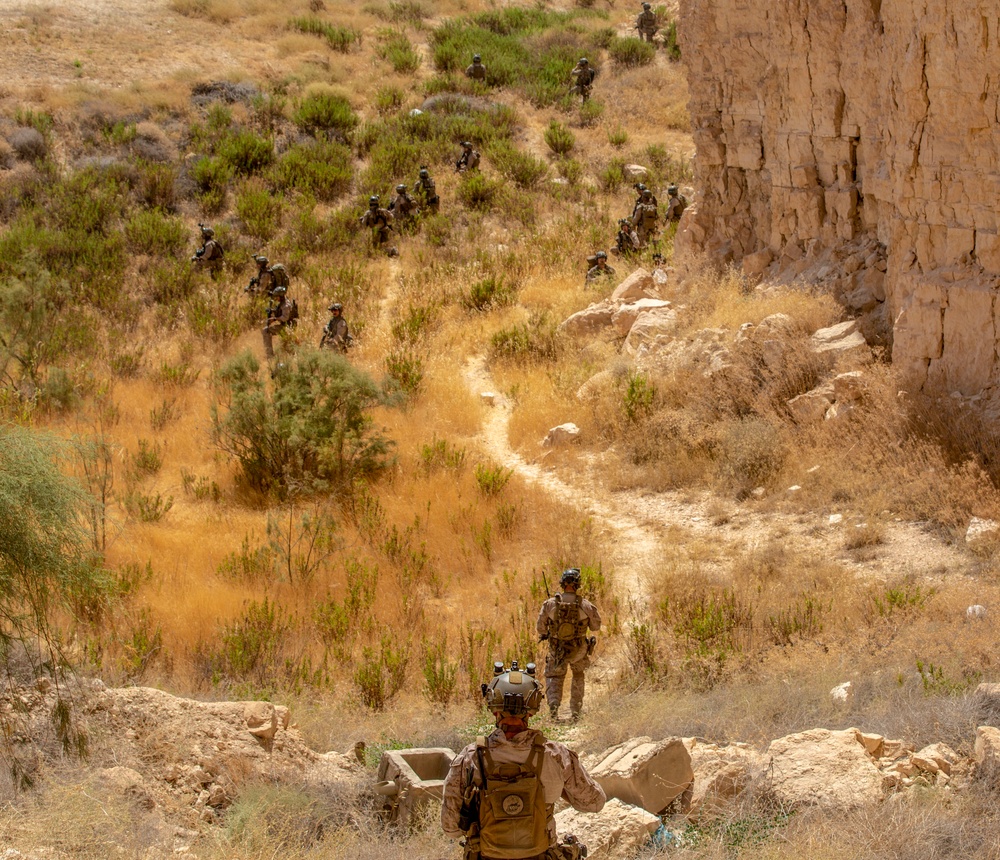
(576,659)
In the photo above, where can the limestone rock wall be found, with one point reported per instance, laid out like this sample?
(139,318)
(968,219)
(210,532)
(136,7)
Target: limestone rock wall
(859,143)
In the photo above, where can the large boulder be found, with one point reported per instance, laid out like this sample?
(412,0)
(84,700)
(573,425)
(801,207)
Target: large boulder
(832,769)
(647,773)
(722,772)
(626,315)
(563,434)
(618,830)
(842,340)
(706,352)
(811,407)
(590,320)
(987,754)
(651,330)
(639,285)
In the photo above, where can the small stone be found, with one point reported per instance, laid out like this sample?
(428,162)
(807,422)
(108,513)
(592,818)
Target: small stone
(976,612)
(842,692)
(488,397)
(561,435)
(794,488)
(979,529)
(835,519)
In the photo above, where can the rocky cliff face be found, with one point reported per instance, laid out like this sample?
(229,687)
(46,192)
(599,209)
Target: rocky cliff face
(858,144)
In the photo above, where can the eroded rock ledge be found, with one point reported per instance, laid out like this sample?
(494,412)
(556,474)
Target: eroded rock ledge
(858,145)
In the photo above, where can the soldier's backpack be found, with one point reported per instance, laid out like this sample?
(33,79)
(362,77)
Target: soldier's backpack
(568,624)
(591,261)
(649,215)
(513,816)
(280,275)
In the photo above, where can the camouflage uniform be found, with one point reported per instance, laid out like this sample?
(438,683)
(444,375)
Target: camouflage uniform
(469,159)
(567,653)
(561,776)
(583,75)
(626,241)
(676,204)
(645,221)
(403,206)
(209,255)
(646,24)
(264,281)
(477,71)
(426,194)
(277,319)
(335,335)
(599,271)
(379,221)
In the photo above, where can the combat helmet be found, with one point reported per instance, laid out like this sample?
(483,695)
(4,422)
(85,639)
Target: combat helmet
(373,200)
(571,576)
(513,692)
(476,58)
(583,61)
(207,232)
(600,255)
(673,189)
(424,173)
(336,306)
(466,144)
(279,290)
(261,260)
(400,188)
(646,6)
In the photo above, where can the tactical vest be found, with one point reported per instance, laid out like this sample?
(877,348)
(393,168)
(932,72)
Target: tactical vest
(513,815)
(279,275)
(569,625)
(649,215)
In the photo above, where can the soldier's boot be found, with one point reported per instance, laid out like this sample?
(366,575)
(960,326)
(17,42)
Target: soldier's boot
(554,712)
(576,691)
(554,693)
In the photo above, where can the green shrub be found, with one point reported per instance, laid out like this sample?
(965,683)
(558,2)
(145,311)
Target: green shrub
(148,507)
(389,99)
(559,138)
(618,137)
(522,168)
(570,169)
(491,292)
(437,230)
(405,370)
(477,191)
(325,112)
(631,52)
(341,39)
(313,426)
(246,153)
(440,674)
(381,673)
(150,231)
(612,177)
(491,478)
(533,341)
(212,177)
(670,43)
(752,453)
(323,170)
(155,185)
(637,401)
(259,210)
(402,56)
(590,113)
(442,455)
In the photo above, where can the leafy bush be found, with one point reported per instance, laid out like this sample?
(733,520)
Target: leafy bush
(341,39)
(259,210)
(612,177)
(212,176)
(752,453)
(478,191)
(491,292)
(313,427)
(670,42)
(396,48)
(590,112)
(522,168)
(151,232)
(559,138)
(535,340)
(618,137)
(405,370)
(246,153)
(440,674)
(570,169)
(382,673)
(323,170)
(155,185)
(492,479)
(325,112)
(389,99)
(631,52)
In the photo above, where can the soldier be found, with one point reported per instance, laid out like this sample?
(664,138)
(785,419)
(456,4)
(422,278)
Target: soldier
(279,315)
(646,218)
(676,204)
(583,75)
(210,254)
(267,277)
(640,190)
(379,221)
(425,193)
(600,269)
(563,621)
(469,160)
(500,791)
(403,207)
(646,23)
(335,334)
(477,71)
(626,241)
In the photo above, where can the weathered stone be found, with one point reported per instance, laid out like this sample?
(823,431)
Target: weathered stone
(753,265)
(635,172)
(986,753)
(979,529)
(838,411)
(261,720)
(721,774)
(976,612)
(561,435)
(618,830)
(627,314)
(824,768)
(590,320)
(705,352)
(842,340)
(638,285)
(874,744)
(646,773)
(650,330)
(849,387)
(842,692)
(936,757)
(488,398)
(811,407)
(599,385)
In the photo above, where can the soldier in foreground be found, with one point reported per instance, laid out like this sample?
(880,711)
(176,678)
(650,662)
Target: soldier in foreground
(425,193)
(477,71)
(583,76)
(379,221)
(403,207)
(600,269)
(469,159)
(626,242)
(646,23)
(500,791)
(283,313)
(563,622)
(335,333)
(646,218)
(210,254)
(676,204)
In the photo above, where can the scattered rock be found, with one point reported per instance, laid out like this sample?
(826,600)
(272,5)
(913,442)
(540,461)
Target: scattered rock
(811,407)
(638,285)
(975,612)
(721,774)
(650,330)
(647,773)
(754,264)
(843,339)
(849,387)
(590,320)
(488,397)
(561,435)
(626,315)
(842,692)
(986,754)
(618,830)
(836,519)
(979,529)
(635,172)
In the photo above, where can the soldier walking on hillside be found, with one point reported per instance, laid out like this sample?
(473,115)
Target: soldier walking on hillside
(425,192)
(379,221)
(583,76)
(477,71)
(500,791)
(267,278)
(403,207)
(676,204)
(210,254)
(646,23)
(563,622)
(646,218)
(335,333)
(469,159)
(282,314)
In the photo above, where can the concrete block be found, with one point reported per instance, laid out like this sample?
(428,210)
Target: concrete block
(407,779)
(618,830)
(647,773)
